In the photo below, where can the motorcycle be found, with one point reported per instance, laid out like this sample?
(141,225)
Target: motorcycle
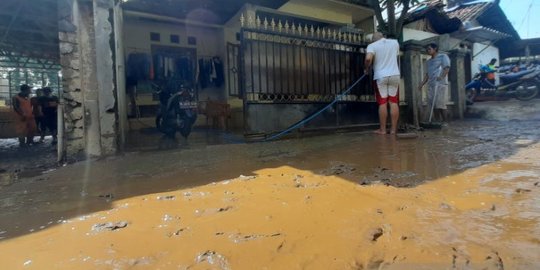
(522,85)
(178,112)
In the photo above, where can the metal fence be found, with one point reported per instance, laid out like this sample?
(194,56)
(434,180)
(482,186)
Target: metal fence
(11,79)
(282,63)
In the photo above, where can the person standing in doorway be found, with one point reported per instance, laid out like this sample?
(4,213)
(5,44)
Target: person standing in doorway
(38,113)
(26,127)
(383,54)
(49,105)
(437,78)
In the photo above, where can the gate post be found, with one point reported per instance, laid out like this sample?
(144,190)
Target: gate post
(86,57)
(412,75)
(457,82)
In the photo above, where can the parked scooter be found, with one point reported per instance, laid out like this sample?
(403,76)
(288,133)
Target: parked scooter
(178,111)
(522,85)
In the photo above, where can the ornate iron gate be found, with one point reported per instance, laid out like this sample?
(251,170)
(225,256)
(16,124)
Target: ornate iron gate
(284,63)
(295,63)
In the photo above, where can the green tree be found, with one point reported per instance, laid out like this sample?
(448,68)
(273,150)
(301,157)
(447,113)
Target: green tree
(393,25)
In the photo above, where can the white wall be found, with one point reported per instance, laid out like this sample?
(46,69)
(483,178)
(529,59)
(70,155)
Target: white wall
(316,9)
(485,56)
(210,42)
(412,34)
(137,36)
(367,25)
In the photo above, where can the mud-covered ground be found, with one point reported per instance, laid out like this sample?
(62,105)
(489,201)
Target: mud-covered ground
(17,163)
(465,197)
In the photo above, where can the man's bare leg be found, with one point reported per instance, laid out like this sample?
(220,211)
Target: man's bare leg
(383,115)
(440,115)
(394,115)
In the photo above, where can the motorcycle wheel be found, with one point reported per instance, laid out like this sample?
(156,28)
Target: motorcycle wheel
(526,91)
(170,132)
(185,130)
(470,96)
(188,122)
(166,125)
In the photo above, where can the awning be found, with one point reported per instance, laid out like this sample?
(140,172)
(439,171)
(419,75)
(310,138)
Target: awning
(480,34)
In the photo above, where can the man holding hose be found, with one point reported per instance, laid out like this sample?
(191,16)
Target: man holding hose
(383,54)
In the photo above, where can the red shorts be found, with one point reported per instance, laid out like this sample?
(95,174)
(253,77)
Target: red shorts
(382,101)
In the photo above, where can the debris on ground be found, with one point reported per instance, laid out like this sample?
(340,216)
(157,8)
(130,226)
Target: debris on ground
(109,226)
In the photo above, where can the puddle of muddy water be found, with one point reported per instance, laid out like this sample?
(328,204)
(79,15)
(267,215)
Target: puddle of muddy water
(329,202)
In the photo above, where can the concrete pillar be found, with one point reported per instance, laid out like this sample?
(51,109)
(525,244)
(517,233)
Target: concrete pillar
(86,57)
(412,75)
(72,95)
(121,98)
(457,82)
(103,31)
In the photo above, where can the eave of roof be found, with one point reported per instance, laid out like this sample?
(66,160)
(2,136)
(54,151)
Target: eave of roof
(487,12)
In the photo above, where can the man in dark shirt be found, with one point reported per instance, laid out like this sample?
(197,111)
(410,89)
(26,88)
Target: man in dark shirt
(38,113)
(49,106)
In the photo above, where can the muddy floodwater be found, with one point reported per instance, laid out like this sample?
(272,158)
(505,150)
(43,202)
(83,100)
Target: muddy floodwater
(465,197)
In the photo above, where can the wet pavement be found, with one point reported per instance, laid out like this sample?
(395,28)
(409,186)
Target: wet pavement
(17,163)
(465,197)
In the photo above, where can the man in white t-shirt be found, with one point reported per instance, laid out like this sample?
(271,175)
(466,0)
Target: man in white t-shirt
(383,55)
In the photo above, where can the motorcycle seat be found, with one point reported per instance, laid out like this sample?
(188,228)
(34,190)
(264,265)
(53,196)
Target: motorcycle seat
(515,76)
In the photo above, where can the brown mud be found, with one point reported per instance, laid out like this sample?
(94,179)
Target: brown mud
(465,197)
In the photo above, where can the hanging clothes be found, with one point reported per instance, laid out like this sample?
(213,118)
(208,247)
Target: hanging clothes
(210,72)
(218,69)
(138,66)
(213,74)
(204,74)
(184,69)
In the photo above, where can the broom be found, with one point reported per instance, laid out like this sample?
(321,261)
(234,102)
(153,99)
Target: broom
(429,124)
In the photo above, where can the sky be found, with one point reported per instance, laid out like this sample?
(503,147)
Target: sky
(524,16)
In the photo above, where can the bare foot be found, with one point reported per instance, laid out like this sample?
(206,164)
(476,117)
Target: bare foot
(380,132)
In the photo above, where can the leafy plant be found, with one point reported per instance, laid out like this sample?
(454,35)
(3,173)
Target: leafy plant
(393,25)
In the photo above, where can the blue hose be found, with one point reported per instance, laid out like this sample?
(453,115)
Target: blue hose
(295,126)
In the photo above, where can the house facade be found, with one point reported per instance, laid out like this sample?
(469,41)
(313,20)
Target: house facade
(478,26)
(240,54)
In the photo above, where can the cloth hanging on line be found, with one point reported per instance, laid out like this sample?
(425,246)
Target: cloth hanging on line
(210,72)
